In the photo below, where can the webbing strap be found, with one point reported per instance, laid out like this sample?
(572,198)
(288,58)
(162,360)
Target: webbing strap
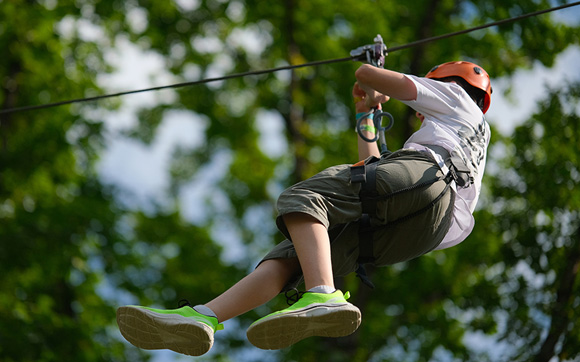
(365,237)
(366,174)
(365,247)
(361,272)
(458,169)
(368,191)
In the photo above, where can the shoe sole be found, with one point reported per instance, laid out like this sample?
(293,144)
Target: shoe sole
(323,320)
(149,330)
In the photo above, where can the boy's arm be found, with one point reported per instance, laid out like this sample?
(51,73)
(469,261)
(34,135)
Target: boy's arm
(385,81)
(365,149)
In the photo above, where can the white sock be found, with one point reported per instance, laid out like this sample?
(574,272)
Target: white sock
(204,310)
(322,289)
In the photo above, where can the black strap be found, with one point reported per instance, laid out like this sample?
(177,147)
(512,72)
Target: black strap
(361,272)
(458,169)
(368,191)
(365,174)
(365,247)
(365,237)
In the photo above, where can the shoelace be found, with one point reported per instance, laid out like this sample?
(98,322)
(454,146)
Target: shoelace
(293,298)
(184,303)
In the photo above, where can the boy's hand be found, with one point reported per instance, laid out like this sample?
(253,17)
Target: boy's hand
(365,99)
(375,98)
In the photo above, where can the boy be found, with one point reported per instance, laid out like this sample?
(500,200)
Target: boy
(422,199)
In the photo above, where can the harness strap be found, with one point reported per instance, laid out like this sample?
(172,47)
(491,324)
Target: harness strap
(365,232)
(366,253)
(361,272)
(364,172)
(458,169)
(368,191)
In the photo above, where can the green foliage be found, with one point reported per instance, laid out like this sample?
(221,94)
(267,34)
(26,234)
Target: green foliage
(54,218)
(70,251)
(541,230)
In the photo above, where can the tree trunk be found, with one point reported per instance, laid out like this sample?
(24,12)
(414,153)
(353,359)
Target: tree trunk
(295,118)
(417,66)
(560,317)
(10,90)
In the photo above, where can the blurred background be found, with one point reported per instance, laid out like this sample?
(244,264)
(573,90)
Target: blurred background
(158,196)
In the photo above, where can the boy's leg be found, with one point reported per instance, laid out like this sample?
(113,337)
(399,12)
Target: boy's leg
(188,331)
(316,313)
(312,244)
(257,288)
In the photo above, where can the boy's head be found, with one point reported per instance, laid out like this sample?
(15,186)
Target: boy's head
(471,77)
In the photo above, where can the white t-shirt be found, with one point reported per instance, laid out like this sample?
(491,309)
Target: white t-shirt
(454,122)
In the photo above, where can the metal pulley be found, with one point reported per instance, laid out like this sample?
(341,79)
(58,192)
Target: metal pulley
(373,54)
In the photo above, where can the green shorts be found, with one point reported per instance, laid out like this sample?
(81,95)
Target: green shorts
(333,200)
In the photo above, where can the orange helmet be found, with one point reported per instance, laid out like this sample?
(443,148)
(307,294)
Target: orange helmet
(470,72)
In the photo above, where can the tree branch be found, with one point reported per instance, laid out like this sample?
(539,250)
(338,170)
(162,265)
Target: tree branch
(564,295)
(294,119)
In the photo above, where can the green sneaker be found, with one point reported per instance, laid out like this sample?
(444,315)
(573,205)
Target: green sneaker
(182,330)
(314,314)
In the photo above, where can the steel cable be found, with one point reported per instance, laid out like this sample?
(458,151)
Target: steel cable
(288,67)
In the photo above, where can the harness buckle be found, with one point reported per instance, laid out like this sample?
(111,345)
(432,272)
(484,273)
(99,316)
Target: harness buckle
(459,171)
(358,173)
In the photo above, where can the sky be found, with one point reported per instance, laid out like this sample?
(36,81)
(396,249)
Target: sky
(142,169)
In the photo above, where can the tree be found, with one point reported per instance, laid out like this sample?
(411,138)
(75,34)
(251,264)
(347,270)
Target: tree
(56,216)
(540,231)
(66,245)
(108,253)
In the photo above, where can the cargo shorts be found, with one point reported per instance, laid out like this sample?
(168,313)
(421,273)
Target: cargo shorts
(332,199)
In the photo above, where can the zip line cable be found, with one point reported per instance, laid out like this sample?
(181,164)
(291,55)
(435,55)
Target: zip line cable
(495,23)
(288,67)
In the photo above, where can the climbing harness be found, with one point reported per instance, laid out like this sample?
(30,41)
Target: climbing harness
(364,172)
